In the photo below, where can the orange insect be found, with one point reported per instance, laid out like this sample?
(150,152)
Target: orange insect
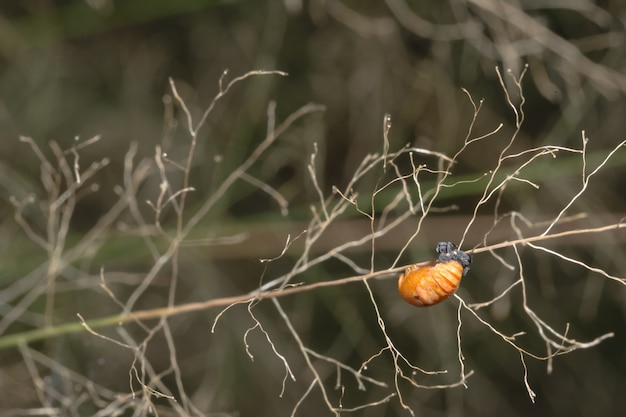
(427,285)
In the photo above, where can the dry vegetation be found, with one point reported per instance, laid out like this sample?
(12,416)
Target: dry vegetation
(245,262)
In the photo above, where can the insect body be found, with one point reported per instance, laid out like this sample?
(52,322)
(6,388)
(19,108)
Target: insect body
(427,285)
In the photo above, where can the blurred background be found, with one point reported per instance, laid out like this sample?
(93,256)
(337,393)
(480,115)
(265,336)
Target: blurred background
(80,68)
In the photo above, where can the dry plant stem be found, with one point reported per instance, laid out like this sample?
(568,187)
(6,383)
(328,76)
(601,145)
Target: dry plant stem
(443,33)
(74,151)
(282,202)
(193,130)
(580,263)
(510,339)
(477,306)
(369,163)
(288,372)
(605,79)
(365,26)
(89,242)
(58,220)
(555,342)
(304,263)
(463,375)
(328,209)
(142,372)
(396,355)
(179,198)
(519,119)
(13,340)
(386,129)
(302,348)
(397,358)
(531,393)
(340,365)
(254,156)
(61,188)
(213,199)
(585,177)
(318,225)
(303,397)
(368,405)
(19,206)
(175,368)
(133,206)
(97,393)
(516,36)
(40,385)
(444,172)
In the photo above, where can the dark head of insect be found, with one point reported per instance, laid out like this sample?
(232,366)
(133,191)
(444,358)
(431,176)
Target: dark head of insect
(448,252)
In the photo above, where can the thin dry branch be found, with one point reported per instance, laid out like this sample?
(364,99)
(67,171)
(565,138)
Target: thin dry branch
(409,197)
(12,340)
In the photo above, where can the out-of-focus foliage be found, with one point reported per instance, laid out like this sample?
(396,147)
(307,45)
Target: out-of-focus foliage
(81,68)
